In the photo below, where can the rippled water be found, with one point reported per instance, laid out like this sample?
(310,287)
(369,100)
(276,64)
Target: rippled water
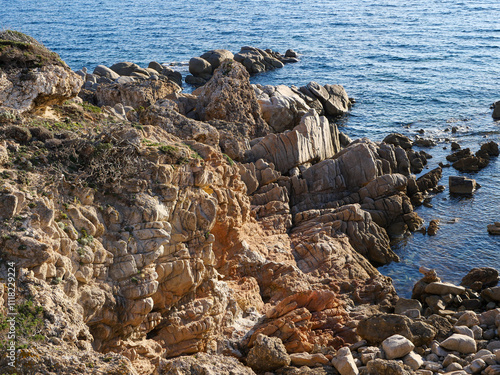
(411,65)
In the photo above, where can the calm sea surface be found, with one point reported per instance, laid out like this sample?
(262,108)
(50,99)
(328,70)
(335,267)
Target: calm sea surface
(411,65)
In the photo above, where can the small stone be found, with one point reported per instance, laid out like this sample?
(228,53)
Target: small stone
(307,359)
(463,330)
(380,366)
(413,313)
(370,353)
(461,343)
(439,351)
(488,318)
(453,367)
(451,358)
(358,345)
(433,366)
(397,346)
(413,360)
(471,304)
(477,365)
(478,332)
(492,370)
(493,345)
(489,334)
(482,353)
(432,358)
(344,362)
(468,318)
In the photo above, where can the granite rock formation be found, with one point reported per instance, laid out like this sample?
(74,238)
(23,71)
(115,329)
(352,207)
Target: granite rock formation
(141,247)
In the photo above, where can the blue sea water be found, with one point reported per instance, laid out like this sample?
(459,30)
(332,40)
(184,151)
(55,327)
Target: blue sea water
(411,65)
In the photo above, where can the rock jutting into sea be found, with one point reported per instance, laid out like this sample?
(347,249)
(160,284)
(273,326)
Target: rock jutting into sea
(255,60)
(233,230)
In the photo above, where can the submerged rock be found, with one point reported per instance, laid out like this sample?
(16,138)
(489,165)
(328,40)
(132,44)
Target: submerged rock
(494,228)
(462,185)
(496,110)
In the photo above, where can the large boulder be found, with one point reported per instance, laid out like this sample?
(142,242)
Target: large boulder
(460,343)
(397,139)
(124,68)
(281,107)
(470,164)
(313,139)
(256,60)
(494,228)
(31,76)
(203,363)
(307,359)
(479,278)
(488,149)
(444,288)
(104,71)
(217,56)
(377,328)
(199,67)
(492,294)
(333,97)
(135,94)
(267,354)
(229,96)
(338,102)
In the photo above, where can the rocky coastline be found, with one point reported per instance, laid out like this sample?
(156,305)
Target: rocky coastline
(233,230)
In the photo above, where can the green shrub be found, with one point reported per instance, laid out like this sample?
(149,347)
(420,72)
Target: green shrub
(29,325)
